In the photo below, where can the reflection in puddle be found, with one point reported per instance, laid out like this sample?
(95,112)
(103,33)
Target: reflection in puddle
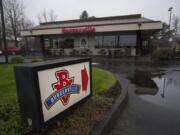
(168,94)
(144,83)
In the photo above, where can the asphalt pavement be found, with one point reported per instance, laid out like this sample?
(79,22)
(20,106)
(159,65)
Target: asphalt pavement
(141,117)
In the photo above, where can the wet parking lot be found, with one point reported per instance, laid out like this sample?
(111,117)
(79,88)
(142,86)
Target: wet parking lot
(168,94)
(154,98)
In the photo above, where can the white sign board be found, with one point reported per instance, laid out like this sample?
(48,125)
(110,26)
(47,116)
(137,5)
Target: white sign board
(62,87)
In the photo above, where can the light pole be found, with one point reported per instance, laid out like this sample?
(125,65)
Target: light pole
(3,31)
(170,11)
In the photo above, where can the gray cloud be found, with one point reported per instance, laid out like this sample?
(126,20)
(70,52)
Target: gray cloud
(71,9)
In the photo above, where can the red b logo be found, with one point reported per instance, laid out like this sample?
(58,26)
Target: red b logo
(63,81)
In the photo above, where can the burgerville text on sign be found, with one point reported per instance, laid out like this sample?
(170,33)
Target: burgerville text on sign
(78,30)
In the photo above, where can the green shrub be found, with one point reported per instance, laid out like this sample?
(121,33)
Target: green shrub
(10,122)
(17,59)
(163,54)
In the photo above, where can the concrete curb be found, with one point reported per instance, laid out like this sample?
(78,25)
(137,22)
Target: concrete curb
(104,126)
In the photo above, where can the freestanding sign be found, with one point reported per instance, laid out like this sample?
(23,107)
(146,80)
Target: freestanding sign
(47,90)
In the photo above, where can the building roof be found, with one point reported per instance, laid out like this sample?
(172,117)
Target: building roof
(126,19)
(134,16)
(103,24)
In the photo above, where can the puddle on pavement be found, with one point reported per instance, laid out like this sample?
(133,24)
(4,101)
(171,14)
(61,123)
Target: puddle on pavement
(144,83)
(161,89)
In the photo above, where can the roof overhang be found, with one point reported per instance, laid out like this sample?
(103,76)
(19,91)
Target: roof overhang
(155,25)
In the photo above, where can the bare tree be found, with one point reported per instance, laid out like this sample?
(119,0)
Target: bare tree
(14,12)
(176,24)
(26,23)
(47,16)
(15,20)
(44,15)
(8,31)
(52,16)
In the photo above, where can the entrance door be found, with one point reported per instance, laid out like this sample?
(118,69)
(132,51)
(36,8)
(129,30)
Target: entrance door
(145,47)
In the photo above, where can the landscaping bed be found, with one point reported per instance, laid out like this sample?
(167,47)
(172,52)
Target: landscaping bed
(81,121)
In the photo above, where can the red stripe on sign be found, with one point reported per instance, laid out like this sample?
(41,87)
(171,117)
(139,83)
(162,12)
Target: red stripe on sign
(84,77)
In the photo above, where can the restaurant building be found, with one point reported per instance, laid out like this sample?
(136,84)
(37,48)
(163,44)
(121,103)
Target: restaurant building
(116,36)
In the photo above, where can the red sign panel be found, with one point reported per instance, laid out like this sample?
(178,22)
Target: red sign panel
(78,30)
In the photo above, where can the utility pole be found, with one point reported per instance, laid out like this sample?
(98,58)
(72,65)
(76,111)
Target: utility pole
(170,10)
(3,31)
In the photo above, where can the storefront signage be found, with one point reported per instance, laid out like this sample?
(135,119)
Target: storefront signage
(51,89)
(79,30)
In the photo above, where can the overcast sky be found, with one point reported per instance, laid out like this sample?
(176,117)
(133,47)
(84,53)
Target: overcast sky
(71,9)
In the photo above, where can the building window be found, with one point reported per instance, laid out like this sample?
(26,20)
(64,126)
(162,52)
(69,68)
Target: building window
(68,43)
(109,41)
(99,41)
(55,43)
(47,44)
(127,40)
(60,42)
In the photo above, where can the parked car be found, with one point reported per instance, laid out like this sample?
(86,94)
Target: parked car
(13,50)
(1,52)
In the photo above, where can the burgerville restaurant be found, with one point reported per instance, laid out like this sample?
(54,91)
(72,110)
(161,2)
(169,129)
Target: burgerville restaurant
(127,35)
